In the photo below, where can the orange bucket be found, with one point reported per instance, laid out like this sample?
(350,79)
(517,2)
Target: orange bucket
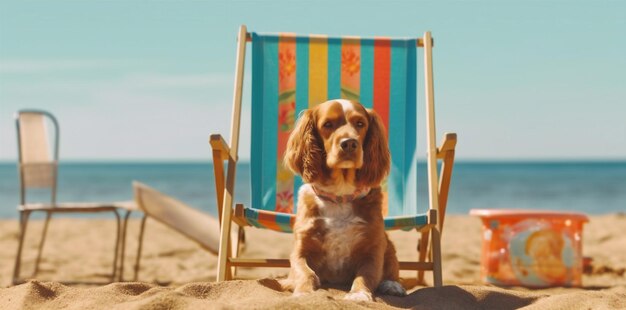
(531,248)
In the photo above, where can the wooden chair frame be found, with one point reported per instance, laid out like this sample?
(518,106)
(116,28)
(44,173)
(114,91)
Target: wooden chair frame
(429,247)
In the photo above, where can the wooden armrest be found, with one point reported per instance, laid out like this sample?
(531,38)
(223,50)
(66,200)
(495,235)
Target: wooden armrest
(218,143)
(448,143)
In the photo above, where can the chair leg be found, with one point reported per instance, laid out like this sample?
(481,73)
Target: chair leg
(42,241)
(422,253)
(139,246)
(24,215)
(120,277)
(229,268)
(238,246)
(436,257)
(223,266)
(117,245)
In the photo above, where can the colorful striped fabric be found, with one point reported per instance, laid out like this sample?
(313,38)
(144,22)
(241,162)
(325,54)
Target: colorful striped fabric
(292,73)
(283,222)
(270,220)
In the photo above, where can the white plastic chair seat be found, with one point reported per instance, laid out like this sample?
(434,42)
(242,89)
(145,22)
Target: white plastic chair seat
(79,206)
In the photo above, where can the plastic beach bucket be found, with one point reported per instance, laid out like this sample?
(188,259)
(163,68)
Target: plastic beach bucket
(531,248)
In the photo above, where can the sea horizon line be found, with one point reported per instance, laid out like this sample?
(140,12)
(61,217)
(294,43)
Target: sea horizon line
(247,161)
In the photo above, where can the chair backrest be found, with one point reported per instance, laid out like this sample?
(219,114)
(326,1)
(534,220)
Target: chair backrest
(38,157)
(291,73)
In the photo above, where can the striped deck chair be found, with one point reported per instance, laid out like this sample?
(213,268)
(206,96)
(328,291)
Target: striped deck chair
(291,73)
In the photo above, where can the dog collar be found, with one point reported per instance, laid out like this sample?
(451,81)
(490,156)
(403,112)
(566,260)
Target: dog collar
(330,197)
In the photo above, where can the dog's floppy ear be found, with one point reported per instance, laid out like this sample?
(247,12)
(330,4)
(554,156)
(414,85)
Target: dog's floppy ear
(376,157)
(305,154)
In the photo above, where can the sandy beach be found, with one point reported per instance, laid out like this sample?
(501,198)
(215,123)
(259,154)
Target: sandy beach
(176,273)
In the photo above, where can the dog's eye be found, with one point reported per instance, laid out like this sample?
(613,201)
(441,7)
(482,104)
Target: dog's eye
(360,124)
(328,125)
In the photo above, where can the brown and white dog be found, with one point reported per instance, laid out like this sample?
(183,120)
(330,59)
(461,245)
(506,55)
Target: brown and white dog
(340,149)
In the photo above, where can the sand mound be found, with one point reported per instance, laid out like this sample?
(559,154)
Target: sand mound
(263,294)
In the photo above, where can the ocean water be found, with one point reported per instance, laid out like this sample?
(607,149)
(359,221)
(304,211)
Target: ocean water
(590,187)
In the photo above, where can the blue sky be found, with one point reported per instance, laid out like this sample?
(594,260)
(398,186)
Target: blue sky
(151,80)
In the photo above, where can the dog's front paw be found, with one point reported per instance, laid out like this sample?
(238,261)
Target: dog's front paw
(394,288)
(301,293)
(359,296)
(307,285)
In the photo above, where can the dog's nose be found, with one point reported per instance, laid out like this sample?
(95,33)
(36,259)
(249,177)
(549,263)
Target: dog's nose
(349,145)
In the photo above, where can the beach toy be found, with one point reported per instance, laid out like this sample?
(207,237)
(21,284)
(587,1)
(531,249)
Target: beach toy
(531,248)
